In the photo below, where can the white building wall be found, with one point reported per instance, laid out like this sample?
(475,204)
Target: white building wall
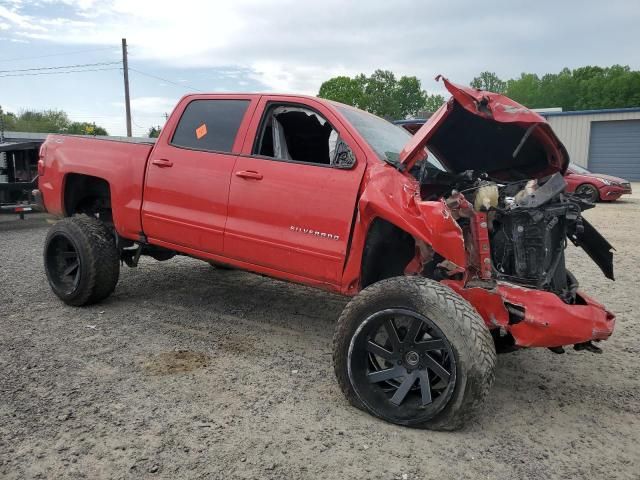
(574,131)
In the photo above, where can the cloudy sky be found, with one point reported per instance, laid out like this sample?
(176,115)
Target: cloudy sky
(282,45)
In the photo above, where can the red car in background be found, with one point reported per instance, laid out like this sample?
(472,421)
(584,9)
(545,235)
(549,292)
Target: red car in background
(595,186)
(582,182)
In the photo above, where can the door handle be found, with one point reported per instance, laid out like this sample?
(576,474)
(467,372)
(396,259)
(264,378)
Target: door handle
(162,162)
(249,174)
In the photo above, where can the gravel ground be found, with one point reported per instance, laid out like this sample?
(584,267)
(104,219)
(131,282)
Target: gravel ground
(191,372)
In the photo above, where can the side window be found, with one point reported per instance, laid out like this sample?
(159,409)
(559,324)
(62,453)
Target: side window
(210,125)
(297,133)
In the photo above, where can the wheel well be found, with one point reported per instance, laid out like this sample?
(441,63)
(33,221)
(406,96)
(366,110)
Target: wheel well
(87,194)
(387,251)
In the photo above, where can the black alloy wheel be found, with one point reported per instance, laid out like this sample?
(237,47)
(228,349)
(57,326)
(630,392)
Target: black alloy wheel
(588,192)
(413,352)
(402,363)
(63,263)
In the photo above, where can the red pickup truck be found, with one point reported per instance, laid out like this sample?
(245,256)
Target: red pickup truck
(450,241)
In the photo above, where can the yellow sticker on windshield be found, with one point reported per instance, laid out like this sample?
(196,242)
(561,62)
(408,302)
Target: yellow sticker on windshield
(201,131)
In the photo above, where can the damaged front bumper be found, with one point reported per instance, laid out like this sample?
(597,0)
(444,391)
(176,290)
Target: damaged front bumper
(613,192)
(536,318)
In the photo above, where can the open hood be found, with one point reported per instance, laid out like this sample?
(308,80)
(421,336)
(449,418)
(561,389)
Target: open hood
(488,132)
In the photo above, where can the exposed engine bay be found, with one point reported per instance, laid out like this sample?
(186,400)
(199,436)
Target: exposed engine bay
(517,231)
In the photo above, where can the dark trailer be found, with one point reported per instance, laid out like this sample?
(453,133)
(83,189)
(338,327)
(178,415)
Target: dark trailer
(19,171)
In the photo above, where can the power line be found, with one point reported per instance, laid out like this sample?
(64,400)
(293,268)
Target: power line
(58,73)
(181,85)
(55,54)
(60,67)
(77,68)
(139,126)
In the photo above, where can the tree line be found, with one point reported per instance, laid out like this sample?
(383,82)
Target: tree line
(583,88)
(55,121)
(48,121)
(381,93)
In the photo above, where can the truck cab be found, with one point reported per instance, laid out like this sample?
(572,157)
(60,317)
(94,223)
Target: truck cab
(256,180)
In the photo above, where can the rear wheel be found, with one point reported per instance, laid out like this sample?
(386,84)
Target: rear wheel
(81,260)
(412,352)
(588,192)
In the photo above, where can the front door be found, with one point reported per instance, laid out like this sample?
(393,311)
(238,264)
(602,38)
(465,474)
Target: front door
(291,203)
(188,174)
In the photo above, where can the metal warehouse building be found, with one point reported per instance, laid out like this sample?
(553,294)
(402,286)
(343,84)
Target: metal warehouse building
(604,141)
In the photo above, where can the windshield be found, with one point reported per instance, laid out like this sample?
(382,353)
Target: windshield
(386,139)
(578,169)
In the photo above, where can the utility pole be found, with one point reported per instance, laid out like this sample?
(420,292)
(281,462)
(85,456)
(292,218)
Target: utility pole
(3,155)
(1,128)
(125,68)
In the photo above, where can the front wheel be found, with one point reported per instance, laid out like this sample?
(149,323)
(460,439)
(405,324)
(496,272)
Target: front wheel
(588,192)
(81,260)
(412,352)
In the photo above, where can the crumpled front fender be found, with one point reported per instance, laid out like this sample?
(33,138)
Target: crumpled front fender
(395,197)
(442,232)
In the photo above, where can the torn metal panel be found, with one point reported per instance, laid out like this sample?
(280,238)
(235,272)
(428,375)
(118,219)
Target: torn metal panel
(544,194)
(596,246)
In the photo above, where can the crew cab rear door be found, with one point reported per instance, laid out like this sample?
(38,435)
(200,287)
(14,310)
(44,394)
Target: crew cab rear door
(188,173)
(291,206)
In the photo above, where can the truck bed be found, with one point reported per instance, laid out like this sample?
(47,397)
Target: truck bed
(138,140)
(120,161)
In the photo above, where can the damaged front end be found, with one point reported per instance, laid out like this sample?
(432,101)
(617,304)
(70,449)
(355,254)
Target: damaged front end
(503,184)
(517,276)
(529,235)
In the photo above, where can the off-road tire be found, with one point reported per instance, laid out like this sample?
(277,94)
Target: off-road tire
(99,259)
(470,339)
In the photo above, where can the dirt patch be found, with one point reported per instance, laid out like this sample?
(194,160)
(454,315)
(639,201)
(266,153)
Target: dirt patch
(179,361)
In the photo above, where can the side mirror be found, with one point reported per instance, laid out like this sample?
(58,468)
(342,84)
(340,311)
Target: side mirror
(343,156)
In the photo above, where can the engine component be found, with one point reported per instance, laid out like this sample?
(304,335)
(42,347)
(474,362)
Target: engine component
(518,231)
(536,197)
(529,236)
(527,191)
(486,197)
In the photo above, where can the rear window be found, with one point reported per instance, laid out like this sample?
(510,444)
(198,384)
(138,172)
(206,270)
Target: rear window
(210,125)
